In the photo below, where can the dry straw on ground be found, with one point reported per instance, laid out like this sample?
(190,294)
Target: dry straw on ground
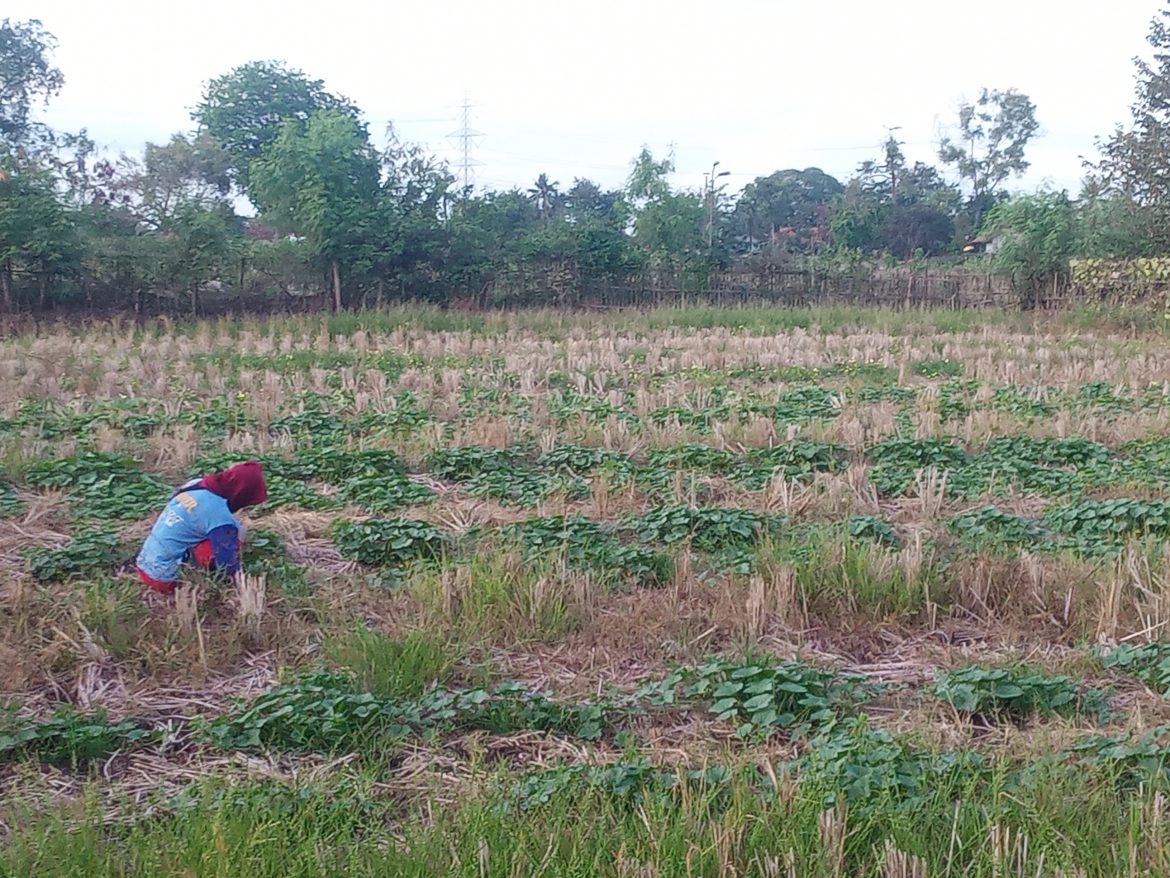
(190,655)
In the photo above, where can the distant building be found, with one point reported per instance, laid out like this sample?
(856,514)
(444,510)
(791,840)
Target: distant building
(989,243)
(258,231)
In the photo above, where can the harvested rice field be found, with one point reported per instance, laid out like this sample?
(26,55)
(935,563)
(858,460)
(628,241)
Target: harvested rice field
(689,592)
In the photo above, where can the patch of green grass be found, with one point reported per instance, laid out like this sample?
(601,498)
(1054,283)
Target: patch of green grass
(463,462)
(585,544)
(710,529)
(392,667)
(838,571)
(113,612)
(624,820)
(523,486)
(766,319)
(989,527)
(101,486)
(792,460)
(382,494)
(1134,758)
(498,595)
(265,555)
(873,527)
(1102,524)
(758,696)
(82,470)
(15,460)
(938,368)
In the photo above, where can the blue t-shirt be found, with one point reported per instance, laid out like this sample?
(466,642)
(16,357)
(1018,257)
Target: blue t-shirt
(188,519)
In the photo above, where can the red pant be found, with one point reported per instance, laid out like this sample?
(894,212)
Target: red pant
(201,554)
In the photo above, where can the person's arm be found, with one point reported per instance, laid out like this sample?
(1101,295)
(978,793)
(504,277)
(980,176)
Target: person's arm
(225,548)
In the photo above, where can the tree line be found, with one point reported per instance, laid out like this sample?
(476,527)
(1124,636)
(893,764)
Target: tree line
(358,218)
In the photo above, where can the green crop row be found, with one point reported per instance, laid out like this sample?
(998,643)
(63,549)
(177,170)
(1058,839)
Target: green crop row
(330,416)
(322,711)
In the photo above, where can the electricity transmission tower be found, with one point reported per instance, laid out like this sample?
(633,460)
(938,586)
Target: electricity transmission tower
(464,138)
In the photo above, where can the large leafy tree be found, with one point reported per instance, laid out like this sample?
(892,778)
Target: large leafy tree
(246,109)
(649,178)
(1114,226)
(893,181)
(910,229)
(988,147)
(27,75)
(486,235)
(202,242)
(1037,238)
(856,222)
(668,225)
(321,180)
(188,172)
(1134,165)
(597,220)
(881,180)
(896,208)
(493,234)
(921,183)
(791,204)
(36,233)
(165,217)
(409,239)
(585,199)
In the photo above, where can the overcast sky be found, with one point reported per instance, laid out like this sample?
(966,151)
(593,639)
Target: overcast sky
(575,88)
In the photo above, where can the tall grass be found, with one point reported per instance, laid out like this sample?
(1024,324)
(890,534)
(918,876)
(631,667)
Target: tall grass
(698,314)
(755,318)
(1054,822)
(763,318)
(498,595)
(113,615)
(393,667)
(837,574)
(15,460)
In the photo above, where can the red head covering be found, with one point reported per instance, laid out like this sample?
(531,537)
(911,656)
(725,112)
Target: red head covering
(242,486)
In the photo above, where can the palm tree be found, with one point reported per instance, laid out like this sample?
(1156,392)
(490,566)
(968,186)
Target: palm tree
(546,196)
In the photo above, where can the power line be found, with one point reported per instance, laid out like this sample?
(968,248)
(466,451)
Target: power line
(381,121)
(465,136)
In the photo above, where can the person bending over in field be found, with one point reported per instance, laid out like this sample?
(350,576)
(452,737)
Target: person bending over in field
(198,526)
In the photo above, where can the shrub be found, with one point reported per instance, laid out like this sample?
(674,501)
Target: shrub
(1149,663)
(758,696)
(988,525)
(323,712)
(388,542)
(467,461)
(69,737)
(1013,693)
(587,544)
(87,552)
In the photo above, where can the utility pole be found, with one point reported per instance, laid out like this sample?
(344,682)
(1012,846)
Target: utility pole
(464,137)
